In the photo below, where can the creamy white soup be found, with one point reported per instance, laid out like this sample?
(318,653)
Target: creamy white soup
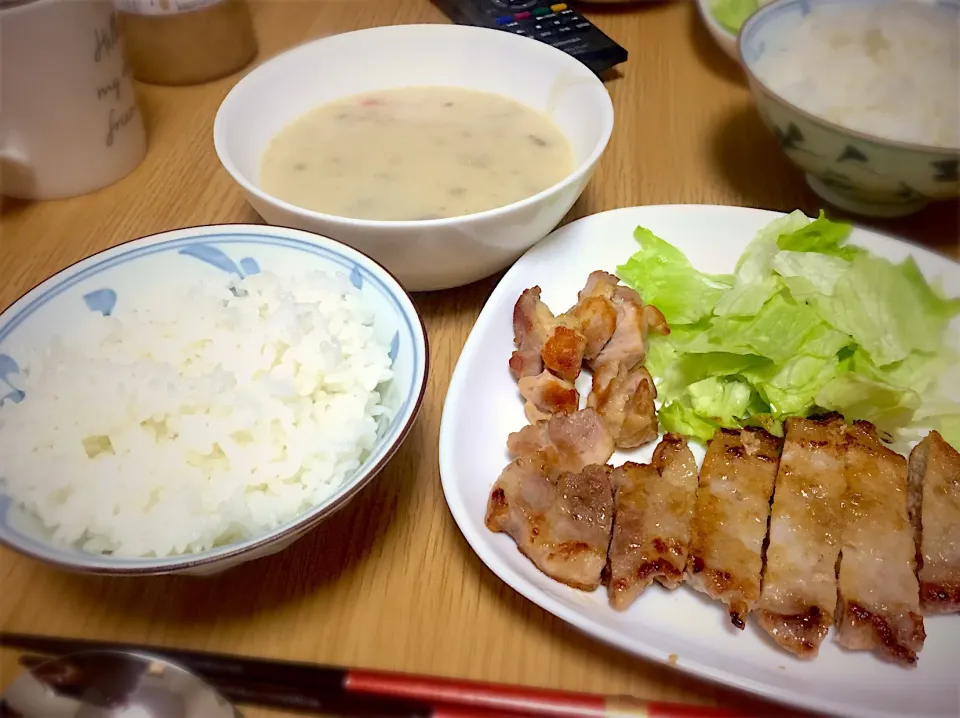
(415,153)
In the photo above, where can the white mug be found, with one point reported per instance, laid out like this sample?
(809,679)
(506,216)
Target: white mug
(69,120)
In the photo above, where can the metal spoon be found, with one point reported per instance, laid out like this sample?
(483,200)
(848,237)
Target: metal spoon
(112,684)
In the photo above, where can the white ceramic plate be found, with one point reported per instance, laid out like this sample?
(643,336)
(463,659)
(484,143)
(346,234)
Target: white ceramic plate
(681,628)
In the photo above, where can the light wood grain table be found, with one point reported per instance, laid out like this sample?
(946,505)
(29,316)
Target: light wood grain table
(389,582)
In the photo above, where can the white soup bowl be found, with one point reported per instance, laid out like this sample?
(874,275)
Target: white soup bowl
(424,254)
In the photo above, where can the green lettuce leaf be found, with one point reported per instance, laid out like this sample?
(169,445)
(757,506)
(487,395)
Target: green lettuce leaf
(807,274)
(733,13)
(725,401)
(754,283)
(665,278)
(746,299)
(776,333)
(791,388)
(887,309)
(820,236)
(858,397)
(682,419)
(806,323)
(754,264)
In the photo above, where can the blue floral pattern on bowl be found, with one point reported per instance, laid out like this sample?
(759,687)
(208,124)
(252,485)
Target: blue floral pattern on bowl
(99,284)
(858,173)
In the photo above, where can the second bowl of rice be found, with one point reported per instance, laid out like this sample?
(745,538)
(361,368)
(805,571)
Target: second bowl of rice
(191,400)
(863,96)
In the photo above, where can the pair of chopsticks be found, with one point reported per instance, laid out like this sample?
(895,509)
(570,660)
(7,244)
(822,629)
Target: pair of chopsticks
(311,688)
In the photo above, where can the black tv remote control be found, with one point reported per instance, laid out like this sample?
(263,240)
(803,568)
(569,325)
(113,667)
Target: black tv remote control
(551,22)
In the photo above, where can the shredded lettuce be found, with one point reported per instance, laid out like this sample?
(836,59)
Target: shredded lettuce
(683,294)
(733,13)
(806,323)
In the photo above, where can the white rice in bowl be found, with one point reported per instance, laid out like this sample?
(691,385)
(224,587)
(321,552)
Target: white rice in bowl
(890,69)
(199,419)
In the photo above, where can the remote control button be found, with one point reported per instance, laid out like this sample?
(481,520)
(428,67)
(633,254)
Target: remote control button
(504,20)
(565,29)
(538,27)
(567,11)
(570,43)
(560,7)
(521,16)
(541,11)
(520,31)
(546,34)
(510,25)
(514,5)
(582,26)
(548,16)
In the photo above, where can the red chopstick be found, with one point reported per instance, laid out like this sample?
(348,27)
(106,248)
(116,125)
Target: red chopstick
(444,697)
(516,699)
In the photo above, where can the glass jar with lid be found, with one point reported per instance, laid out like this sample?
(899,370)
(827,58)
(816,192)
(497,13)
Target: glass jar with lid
(185,42)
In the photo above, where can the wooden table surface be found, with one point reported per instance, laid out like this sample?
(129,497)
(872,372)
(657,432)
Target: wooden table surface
(389,582)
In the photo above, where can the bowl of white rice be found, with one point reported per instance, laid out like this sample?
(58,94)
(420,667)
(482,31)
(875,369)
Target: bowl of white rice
(191,400)
(863,96)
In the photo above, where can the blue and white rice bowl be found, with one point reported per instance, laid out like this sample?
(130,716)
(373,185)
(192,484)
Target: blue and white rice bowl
(858,171)
(69,303)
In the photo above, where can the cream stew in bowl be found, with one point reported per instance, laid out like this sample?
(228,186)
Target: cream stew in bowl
(415,153)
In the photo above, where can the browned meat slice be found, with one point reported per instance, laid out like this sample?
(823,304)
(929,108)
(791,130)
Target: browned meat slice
(560,523)
(596,319)
(879,604)
(935,514)
(623,391)
(599,284)
(800,578)
(563,352)
(628,344)
(626,402)
(651,530)
(730,520)
(565,442)
(532,323)
(656,322)
(547,395)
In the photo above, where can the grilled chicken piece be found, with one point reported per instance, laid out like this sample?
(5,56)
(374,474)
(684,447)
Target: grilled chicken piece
(563,351)
(799,595)
(626,402)
(565,442)
(595,312)
(623,391)
(628,345)
(532,324)
(656,322)
(545,341)
(651,529)
(935,515)
(879,604)
(561,523)
(730,519)
(599,284)
(547,395)
(596,318)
